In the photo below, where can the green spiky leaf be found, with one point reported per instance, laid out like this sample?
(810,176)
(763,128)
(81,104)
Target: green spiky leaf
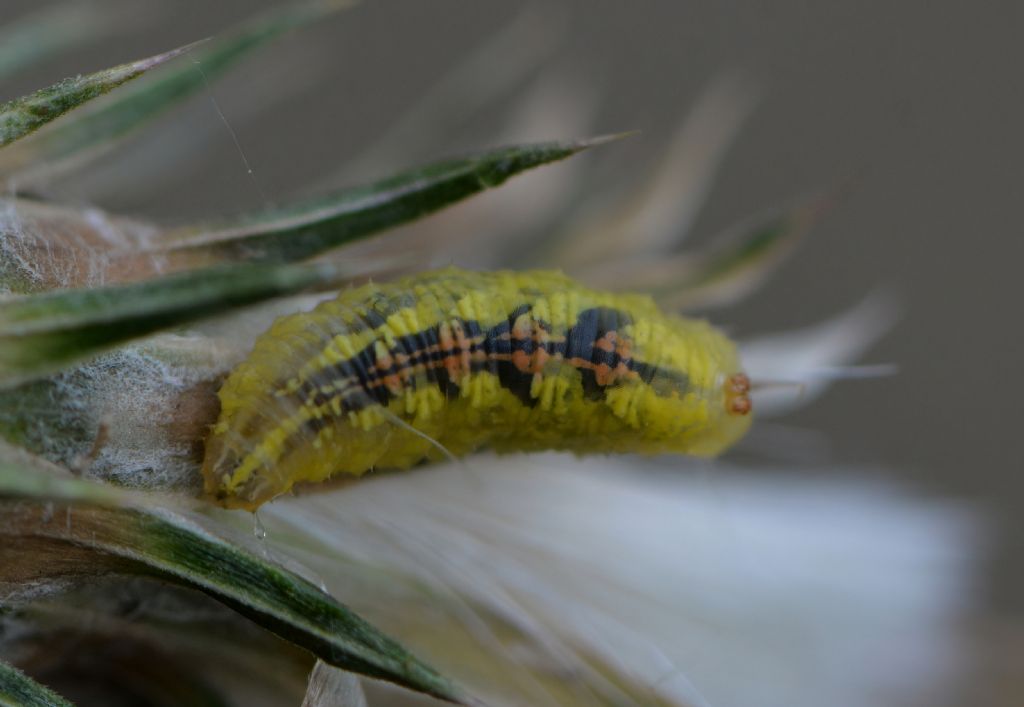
(89,133)
(74,527)
(25,115)
(303,230)
(19,690)
(41,333)
(729,268)
(740,262)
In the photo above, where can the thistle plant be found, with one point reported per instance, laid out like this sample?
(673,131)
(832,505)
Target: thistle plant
(121,583)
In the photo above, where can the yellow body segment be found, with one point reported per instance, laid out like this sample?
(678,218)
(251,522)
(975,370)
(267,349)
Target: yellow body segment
(514,361)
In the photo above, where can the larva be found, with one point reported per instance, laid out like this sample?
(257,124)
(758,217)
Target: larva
(388,375)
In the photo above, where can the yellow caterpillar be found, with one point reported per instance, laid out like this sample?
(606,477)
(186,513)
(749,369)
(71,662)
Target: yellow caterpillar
(386,376)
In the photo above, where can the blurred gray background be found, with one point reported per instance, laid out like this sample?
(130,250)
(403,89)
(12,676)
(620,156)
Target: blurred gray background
(922,102)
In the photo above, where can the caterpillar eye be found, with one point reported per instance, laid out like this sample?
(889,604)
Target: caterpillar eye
(737,402)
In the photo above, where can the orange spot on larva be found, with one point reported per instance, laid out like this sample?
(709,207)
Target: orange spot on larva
(607,342)
(739,384)
(736,388)
(740,405)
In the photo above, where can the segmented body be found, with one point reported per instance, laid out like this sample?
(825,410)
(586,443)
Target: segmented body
(511,361)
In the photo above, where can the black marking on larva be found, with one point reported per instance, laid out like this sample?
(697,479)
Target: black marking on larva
(316,424)
(373,318)
(591,326)
(423,348)
(505,327)
(473,331)
(648,372)
(365,364)
(500,346)
(360,382)
(516,382)
(412,347)
(449,389)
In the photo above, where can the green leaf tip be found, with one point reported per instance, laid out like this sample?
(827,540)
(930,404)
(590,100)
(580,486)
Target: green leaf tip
(22,116)
(310,228)
(610,137)
(231,46)
(734,264)
(41,333)
(275,598)
(19,690)
(69,144)
(113,524)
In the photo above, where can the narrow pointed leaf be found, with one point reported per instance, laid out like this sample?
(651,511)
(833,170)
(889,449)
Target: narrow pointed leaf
(70,143)
(303,230)
(730,268)
(24,115)
(95,535)
(739,263)
(19,690)
(651,219)
(41,333)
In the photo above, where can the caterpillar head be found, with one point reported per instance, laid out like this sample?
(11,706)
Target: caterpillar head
(703,421)
(695,398)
